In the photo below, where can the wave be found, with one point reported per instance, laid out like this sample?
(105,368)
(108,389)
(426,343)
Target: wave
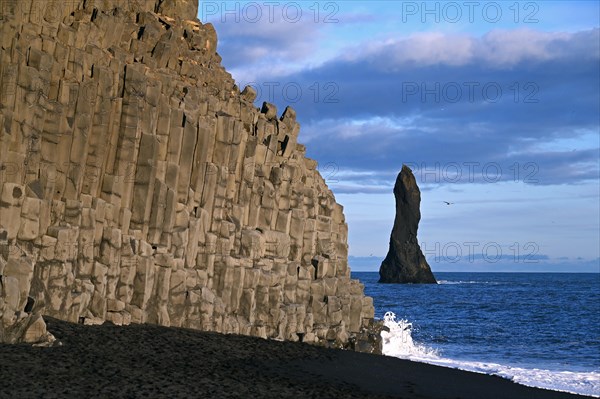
(398,342)
(455,282)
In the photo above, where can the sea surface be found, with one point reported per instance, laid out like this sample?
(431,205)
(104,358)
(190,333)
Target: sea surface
(537,329)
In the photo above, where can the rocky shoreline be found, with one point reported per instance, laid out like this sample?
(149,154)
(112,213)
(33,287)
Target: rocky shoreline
(151,361)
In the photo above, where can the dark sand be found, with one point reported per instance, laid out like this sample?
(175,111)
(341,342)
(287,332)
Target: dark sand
(144,361)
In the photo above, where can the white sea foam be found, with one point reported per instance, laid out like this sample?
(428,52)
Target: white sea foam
(455,282)
(449,282)
(398,342)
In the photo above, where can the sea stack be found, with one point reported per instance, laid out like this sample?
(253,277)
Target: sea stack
(405,262)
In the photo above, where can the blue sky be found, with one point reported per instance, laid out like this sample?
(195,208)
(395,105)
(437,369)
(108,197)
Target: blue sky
(494,105)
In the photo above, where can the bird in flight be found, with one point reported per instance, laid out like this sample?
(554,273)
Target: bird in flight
(448,203)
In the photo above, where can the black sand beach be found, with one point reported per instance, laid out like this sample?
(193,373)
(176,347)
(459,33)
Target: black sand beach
(145,361)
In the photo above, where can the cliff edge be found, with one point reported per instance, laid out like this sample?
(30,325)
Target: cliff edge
(405,262)
(139,185)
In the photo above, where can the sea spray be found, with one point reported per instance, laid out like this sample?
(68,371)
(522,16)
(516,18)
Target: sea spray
(398,342)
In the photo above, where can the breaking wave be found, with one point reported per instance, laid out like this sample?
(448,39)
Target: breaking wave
(456,282)
(398,342)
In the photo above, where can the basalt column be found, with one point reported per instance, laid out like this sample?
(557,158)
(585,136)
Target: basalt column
(138,184)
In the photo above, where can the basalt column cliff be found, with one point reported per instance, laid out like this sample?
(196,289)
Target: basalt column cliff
(138,185)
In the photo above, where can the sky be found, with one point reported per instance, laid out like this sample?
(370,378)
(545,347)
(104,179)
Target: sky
(495,107)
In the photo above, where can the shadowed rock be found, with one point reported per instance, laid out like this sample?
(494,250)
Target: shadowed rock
(405,262)
(186,9)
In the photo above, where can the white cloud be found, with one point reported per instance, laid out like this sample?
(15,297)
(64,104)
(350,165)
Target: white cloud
(506,48)
(350,128)
(497,48)
(270,44)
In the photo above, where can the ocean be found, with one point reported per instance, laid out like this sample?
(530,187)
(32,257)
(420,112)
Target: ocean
(537,329)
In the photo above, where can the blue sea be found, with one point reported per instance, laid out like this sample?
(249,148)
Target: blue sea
(537,329)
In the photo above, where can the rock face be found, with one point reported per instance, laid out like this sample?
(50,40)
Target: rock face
(138,185)
(405,262)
